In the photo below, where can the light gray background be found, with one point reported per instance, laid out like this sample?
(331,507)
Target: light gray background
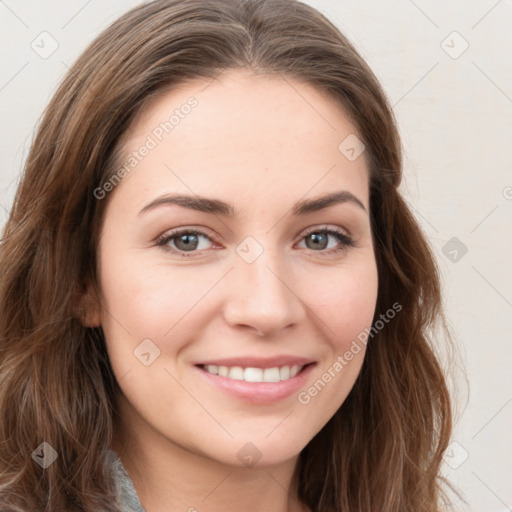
(455,115)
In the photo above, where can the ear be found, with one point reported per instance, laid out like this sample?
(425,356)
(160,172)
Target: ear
(89,308)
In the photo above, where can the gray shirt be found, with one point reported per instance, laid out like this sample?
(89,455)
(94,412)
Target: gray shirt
(126,493)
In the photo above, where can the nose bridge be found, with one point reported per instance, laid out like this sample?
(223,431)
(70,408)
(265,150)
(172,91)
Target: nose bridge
(261,291)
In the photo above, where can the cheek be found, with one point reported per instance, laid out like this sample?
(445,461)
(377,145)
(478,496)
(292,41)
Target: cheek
(344,303)
(345,300)
(148,300)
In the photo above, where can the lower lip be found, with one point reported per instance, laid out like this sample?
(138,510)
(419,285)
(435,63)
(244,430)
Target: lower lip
(259,392)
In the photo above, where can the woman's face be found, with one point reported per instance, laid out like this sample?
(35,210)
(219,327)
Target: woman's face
(246,277)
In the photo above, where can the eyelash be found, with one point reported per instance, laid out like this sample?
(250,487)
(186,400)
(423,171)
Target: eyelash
(345,240)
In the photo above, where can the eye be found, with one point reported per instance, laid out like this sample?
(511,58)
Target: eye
(317,240)
(183,242)
(187,242)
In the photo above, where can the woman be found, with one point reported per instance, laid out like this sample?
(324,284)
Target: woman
(213,295)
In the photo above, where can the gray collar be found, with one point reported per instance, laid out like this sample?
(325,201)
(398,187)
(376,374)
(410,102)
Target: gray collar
(126,493)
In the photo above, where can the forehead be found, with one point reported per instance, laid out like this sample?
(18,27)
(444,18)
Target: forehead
(245,135)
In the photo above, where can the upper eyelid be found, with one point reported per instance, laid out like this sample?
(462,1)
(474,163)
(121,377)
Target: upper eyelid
(207,232)
(326,227)
(172,233)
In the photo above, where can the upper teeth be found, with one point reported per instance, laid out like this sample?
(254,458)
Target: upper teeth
(254,374)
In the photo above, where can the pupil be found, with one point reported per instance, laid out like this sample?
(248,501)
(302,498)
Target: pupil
(317,239)
(188,240)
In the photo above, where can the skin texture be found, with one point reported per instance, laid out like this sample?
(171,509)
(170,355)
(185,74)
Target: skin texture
(261,143)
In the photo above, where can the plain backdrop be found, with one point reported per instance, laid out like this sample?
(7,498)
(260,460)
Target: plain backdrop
(447,68)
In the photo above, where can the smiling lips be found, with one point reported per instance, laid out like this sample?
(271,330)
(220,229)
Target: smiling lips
(258,380)
(256,384)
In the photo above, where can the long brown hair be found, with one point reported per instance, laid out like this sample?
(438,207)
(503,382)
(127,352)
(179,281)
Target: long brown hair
(382,450)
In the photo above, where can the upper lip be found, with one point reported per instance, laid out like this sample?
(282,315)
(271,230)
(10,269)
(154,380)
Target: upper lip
(258,362)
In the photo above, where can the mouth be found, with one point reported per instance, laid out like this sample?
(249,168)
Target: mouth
(256,385)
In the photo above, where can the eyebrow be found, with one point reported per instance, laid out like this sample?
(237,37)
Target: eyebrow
(218,207)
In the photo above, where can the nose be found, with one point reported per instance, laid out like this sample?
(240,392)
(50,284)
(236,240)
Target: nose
(262,296)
